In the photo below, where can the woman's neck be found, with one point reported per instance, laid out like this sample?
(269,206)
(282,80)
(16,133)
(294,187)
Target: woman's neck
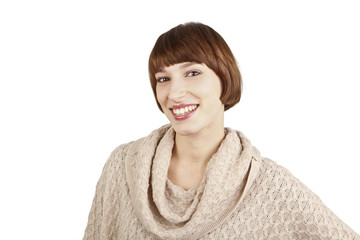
(198,149)
(191,155)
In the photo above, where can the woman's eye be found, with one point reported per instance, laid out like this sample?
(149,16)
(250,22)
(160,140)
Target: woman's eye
(162,79)
(193,73)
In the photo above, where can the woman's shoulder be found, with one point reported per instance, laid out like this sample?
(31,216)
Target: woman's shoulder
(299,208)
(137,146)
(275,174)
(279,183)
(114,166)
(270,166)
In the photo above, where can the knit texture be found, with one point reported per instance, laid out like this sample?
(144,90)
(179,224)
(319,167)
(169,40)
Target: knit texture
(242,196)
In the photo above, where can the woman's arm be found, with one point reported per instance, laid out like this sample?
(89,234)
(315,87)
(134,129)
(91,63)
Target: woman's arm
(102,213)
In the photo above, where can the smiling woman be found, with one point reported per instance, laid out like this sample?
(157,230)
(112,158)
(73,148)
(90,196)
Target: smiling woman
(194,178)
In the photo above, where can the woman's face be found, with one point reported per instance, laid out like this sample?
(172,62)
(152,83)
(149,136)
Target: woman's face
(189,94)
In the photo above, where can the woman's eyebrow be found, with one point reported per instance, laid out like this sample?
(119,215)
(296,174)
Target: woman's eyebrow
(160,71)
(185,65)
(182,66)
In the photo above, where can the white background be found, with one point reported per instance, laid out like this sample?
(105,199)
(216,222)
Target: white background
(74,85)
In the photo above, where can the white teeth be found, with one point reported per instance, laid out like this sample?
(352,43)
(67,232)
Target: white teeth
(183,111)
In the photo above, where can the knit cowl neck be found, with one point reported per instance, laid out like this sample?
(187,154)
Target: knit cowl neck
(228,175)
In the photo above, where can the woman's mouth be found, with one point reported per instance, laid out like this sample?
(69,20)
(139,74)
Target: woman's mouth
(182,112)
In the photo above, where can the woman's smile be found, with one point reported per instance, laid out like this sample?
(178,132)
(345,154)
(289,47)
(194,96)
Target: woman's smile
(183,111)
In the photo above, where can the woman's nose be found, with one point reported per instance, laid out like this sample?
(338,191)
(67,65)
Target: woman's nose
(177,89)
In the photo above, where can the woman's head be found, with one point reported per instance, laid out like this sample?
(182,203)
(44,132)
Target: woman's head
(196,42)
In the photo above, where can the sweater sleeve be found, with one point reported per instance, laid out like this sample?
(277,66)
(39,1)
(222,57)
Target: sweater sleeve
(100,214)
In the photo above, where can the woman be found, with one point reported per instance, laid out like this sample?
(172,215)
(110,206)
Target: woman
(193,178)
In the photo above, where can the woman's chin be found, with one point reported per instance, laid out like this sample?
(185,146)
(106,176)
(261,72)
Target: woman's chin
(184,129)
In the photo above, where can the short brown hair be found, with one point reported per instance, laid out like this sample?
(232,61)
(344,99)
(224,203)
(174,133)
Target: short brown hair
(196,42)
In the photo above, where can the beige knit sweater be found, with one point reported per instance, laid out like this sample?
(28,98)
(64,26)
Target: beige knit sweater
(242,196)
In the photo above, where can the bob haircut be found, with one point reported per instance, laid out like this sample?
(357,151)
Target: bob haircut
(196,42)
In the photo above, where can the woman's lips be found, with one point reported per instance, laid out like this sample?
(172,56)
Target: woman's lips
(183,111)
